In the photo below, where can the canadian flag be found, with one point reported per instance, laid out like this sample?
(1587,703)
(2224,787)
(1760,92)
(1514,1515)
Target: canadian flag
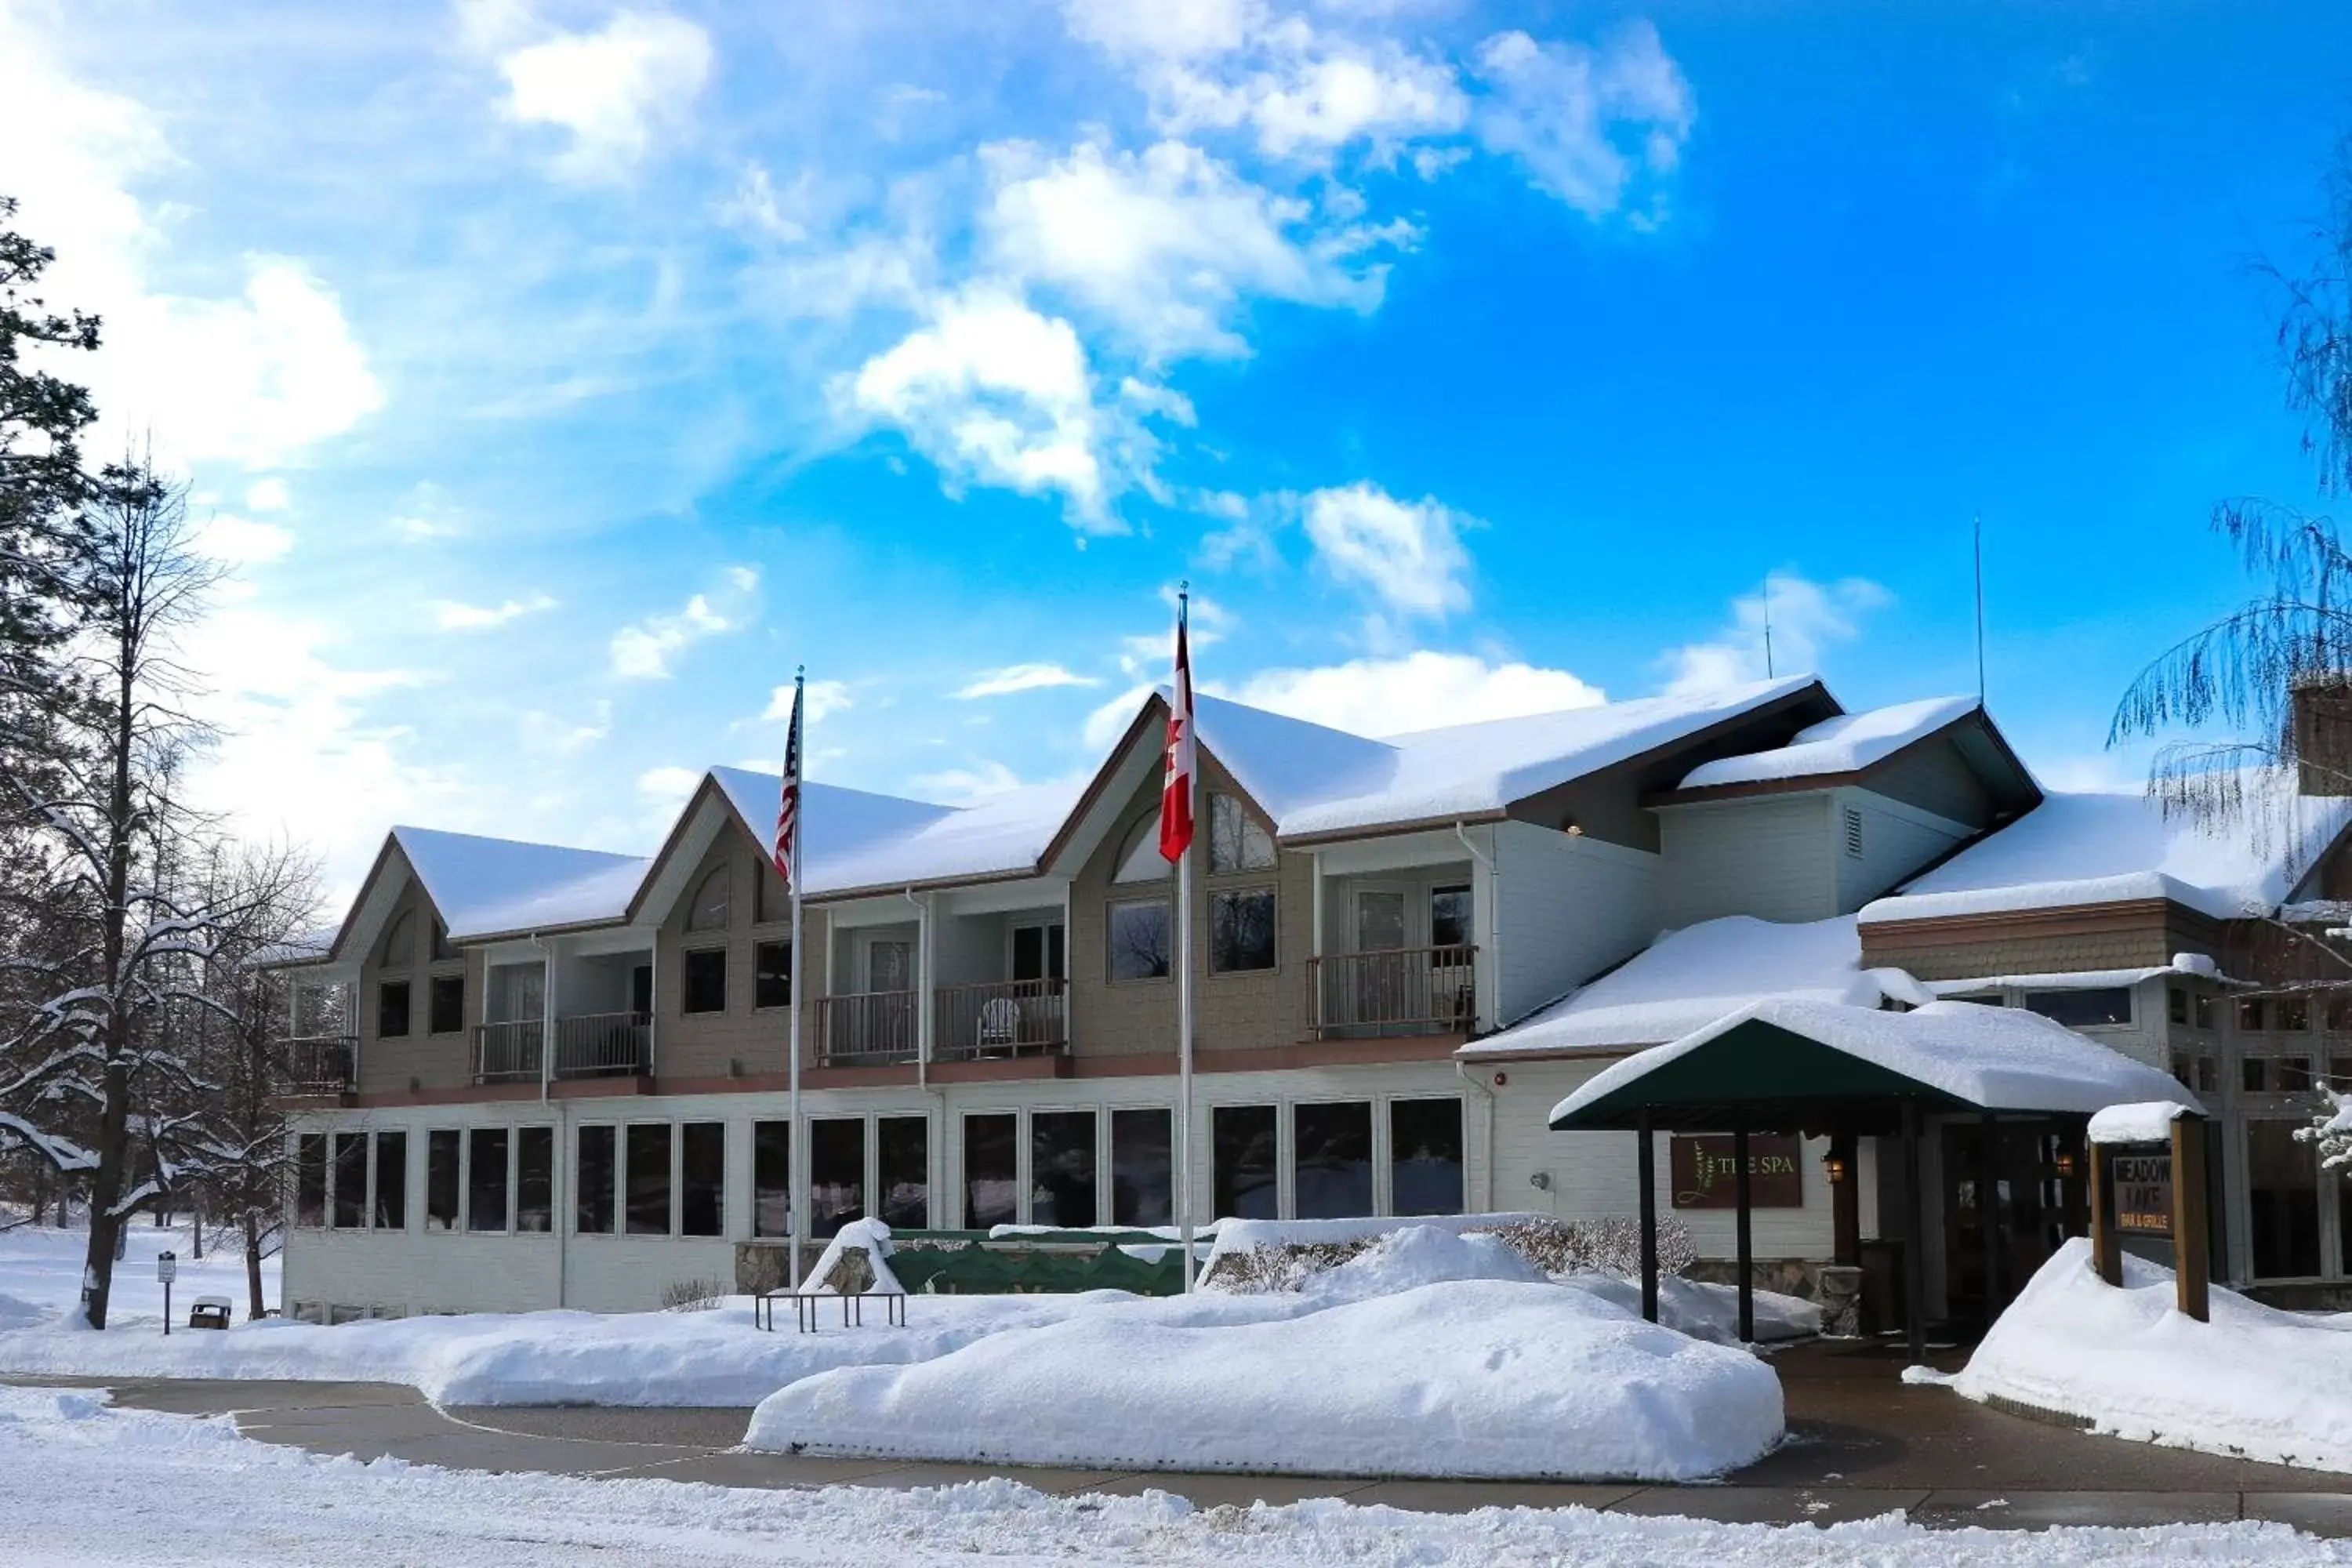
(1176,791)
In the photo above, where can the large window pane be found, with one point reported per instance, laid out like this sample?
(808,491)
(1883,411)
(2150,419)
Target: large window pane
(771,975)
(771,1178)
(392,1181)
(310,1179)
(1142,1167)
(1241,930)
(702,1184)
(535,1178)
(2281,1201)
(1141,946)
(1334,1146)
(449,1004)
(1242,1177)
(441,1189)
(646,1178)
(1237,841)
(1062,1167)
(1425,1156)
(486,1179)
(706,981)
(349,1209)
(592,1179)
(1449,918)
(903,1154)
(2083,1009)
(836,1173)
(991,1189)
(392,1009)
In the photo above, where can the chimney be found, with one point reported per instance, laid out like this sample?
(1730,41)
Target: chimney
(2322,704)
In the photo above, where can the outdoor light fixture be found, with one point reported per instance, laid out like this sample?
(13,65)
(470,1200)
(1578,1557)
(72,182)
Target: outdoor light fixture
(1835,1165)
(2065,1164)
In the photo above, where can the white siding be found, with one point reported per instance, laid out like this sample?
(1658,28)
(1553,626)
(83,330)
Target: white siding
(1897,841)
(1568,908)
(1770,856)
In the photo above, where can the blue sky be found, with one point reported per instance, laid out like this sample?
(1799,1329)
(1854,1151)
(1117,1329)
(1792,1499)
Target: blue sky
(557,375)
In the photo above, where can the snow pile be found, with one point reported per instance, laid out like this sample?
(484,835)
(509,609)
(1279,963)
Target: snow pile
(1416,1256)
(1706,1310)
(2254,1382)
(1845,744)
(1485,1377)
(2143,1121)
(871,1235)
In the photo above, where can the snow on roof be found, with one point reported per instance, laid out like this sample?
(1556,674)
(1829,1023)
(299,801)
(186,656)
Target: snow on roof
(2001,1058)
(1691,977)
(856,839)
(484,886)
(2069,979)
(1315,780)
(1845,744)
(2097,849)
(2143,1121)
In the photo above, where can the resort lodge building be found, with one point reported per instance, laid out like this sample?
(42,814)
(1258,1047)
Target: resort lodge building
(538,1077)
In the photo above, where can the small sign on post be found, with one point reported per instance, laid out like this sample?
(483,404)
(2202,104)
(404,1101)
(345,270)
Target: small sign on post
(166,1266)
(2147,1179)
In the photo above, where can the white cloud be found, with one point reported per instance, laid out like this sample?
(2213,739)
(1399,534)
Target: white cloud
(1108,723)
(1420,691)
(1016,677)
(959,787)
(826,698)
(546,732)
(1409,554)
(1588,122)
(453,616)
(266,495)
(646,652)
(1804,617)
(1160,33)
(668,786)
(242,541)
(613,89)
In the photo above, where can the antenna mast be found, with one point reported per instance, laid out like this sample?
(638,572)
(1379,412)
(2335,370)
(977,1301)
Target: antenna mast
(1769,672)
(1977,537)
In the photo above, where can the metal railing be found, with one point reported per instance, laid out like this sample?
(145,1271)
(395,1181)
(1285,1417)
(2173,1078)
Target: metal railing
(604,1044)
(867,1028)
(507,1052)
(322,1064)
(1398,991)
(1000,1018)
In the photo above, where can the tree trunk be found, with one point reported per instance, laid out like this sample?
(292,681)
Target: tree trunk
(196,1228)
(255,1305)
(114,1117)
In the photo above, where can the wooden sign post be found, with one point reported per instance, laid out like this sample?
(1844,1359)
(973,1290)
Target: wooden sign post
(2158,1191)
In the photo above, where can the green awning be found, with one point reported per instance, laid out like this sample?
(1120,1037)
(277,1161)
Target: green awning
(1767,1074)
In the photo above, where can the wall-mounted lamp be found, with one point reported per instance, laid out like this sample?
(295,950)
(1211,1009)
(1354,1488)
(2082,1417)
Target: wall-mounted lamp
(1501,1079)
(2065,1164)
(1540,1180)
(1835,1165)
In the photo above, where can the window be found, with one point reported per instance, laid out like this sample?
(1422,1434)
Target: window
(1449,918)
(448,1002)
(2208,1076)
(771,1178)
(1236,842)
(486,1179)
(2339,1073)
(1140,945)
(706,979)
(2294,1075)
(310,1179)
(2091,1009)
(2294,1012)
(1140,860)
(2254,1074)
(645,1178)
(709,909)
(400,942)
(350,1210)
(1037,952)
(1853,832)
(2340,1011)
(441,1189)
(593,1178)
(836,1173)
(1241,1170)
(771,899)
(2200,1011)
(2249,1013)
(441,948)
(535,1179)
(2176,1005)
(1241,930)
(1332,1177)
(1142,1167)
(392,1181)
(992,1178)
(903,1155)
(2281,1201)
(2180,1069)
(772,975)
(1425,1156)
(702,1184)
(392,1009)
(1062,1167)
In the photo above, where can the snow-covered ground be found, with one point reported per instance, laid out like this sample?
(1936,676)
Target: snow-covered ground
(82,1485)
(40,1274)
(1432,1354)
(2254,1381)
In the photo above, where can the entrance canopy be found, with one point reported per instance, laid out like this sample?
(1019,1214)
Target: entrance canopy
(1829,1067)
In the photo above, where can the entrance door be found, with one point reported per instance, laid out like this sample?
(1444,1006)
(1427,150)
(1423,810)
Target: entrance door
(2030,1205)
(890,974)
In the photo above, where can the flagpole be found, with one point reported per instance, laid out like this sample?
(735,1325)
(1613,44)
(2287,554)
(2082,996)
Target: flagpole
(795,1154)
(1184,955)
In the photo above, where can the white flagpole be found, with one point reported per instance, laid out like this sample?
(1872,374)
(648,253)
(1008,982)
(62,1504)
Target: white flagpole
(795,1153)
(1184,959)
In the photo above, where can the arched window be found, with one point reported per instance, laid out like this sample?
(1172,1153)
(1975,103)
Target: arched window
(1139,860)
(708,910)
(400,942)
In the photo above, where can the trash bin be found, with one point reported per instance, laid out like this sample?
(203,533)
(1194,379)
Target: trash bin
(209,1312)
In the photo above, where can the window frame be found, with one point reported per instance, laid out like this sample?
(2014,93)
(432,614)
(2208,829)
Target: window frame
(456,1211)
(379,1163)
(1225,801)
(612,1182)
(690,922)
(667,1164)
(1166,903)
(686,959)
(406,991)
(434,988)
(1272,895)
(466,1174)
(759,975)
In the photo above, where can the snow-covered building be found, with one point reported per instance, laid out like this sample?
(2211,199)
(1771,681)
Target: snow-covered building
(548,1077)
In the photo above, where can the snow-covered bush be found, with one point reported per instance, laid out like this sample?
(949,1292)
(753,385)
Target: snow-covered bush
(1556,1247)
(2331,1129)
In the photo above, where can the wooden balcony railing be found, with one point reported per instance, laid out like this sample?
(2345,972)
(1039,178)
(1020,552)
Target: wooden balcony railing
(322,1064)
(507,1052)
(604,1044)
(1400,991)
(867,1028)
(1001,1018)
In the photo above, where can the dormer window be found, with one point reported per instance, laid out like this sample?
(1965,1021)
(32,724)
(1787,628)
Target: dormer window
(709,909)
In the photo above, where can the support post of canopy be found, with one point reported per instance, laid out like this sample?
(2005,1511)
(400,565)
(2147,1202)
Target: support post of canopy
(1989,1210)
(1645,1147)
(1915,1242)
(1747,1249)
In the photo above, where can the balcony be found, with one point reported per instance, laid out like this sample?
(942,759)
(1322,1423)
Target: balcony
(1395,991)
(867,1028)
(320,1064)
(1001,1018)
(507,1052)
(596,1045)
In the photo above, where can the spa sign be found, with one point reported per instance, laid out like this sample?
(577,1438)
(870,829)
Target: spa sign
(2143,1187)
(1706,1178)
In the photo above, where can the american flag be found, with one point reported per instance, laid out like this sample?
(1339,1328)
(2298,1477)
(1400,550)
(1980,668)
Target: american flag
(788,804)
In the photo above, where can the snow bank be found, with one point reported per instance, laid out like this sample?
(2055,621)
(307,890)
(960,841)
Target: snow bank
(871,1234)
(1708,1311)
(2254,1382)
(1244,1235)
(2143,1121)
(40,1276)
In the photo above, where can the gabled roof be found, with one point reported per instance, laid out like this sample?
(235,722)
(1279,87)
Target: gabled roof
(501,887)
(1845,744)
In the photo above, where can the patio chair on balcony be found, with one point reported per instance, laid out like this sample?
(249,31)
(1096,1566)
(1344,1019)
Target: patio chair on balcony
(1000,1026)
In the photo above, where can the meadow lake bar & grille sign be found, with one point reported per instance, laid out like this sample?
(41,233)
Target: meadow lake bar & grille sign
(2142,1187)
(1704,1176)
